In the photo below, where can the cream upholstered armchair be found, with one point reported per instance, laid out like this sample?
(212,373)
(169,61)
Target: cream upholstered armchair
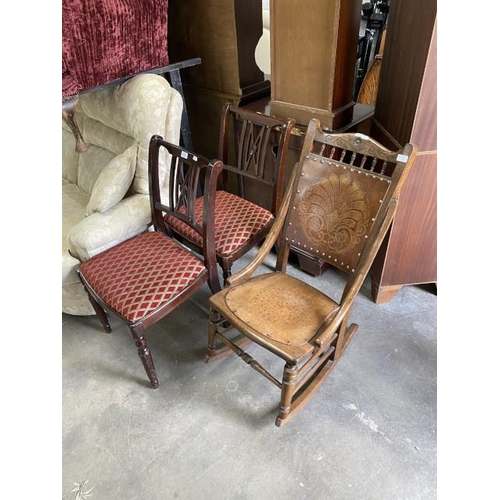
(105,195)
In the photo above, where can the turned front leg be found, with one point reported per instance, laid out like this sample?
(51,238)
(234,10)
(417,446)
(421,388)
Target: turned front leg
(290,374)
(144,354)
(213,321)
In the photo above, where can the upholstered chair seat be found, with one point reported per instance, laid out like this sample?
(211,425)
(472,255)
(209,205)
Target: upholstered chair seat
(139,275)
(237,222)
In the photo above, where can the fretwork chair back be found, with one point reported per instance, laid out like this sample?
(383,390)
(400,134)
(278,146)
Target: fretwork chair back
(146,277)
(257,158)
(339,206)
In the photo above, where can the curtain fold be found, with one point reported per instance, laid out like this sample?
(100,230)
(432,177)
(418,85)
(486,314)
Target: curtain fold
(103,40)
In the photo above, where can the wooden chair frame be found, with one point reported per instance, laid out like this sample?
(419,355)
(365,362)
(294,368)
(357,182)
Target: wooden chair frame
(186,169)
(253,149)
(339,205)
(259,156)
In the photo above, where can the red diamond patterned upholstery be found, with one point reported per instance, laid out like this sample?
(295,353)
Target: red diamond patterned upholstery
(141,274)
(236,221)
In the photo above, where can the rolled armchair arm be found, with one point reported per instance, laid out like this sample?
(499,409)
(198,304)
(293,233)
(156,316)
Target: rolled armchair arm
(100,231)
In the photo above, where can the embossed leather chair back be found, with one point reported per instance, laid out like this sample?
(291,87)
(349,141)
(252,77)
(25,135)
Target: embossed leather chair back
(342,196)
(339,205)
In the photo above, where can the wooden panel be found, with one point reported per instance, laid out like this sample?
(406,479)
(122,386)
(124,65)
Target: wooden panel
(412,253)
(302,51)
(205,107)
(313,58)
(249,29)
(192,33)
(424,132)
(409,34)
(406,111)
(224,34)
(345,64)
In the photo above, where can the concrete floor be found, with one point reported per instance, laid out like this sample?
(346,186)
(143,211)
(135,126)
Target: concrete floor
(208,431)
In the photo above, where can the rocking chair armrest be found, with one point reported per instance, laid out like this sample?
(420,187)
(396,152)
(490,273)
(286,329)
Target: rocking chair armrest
(247,271)
(270,240)
(327,332)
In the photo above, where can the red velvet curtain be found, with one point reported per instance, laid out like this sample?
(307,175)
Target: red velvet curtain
(103,40)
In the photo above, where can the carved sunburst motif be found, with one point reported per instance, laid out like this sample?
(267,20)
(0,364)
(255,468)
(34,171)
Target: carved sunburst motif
(334,213)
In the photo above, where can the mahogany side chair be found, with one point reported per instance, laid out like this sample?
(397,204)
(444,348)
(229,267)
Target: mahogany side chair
(143,279)
(258,158)
(339,206)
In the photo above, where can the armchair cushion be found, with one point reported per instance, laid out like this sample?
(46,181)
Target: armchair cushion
(113,182)
(105,189)
(100,231)
(133,111)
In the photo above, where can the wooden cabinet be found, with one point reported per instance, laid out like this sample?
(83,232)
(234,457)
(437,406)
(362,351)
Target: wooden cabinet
(313,60)
(313,56)
(224,34)
(405,111)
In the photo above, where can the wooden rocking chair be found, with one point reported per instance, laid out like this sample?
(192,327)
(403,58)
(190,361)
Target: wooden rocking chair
(339,206)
